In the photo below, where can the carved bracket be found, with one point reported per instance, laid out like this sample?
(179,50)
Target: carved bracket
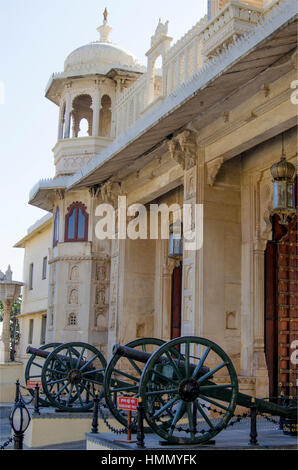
(213,168)
(183,149)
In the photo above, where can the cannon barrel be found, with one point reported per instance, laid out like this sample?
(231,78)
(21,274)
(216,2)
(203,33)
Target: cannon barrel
(143,356)
(45,354)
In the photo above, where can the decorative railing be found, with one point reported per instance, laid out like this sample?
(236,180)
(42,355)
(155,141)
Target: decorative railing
(203,41)
(234,20)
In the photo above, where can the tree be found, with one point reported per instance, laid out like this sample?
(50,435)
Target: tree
(14,324)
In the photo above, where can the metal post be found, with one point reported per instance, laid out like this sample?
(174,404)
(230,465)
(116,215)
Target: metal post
(36,399)
(18,439)
(140,424)
(17,397)
(253,423)
(129,425)
(94,428)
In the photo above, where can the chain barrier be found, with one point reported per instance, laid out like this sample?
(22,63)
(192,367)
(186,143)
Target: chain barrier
(22,398)
(105,420)
(5,444)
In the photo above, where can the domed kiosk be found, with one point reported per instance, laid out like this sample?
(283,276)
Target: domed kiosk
(86,91)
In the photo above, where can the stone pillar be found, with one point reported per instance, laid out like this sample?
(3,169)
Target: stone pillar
(5,338)
(186,59)
(185,151)
(171,78)
(195,55)
(96,109)
(9,292)
(68,111)
(61,120)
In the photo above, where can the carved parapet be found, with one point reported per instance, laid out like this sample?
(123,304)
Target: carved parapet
(234,20)
(183,149)
(213,168)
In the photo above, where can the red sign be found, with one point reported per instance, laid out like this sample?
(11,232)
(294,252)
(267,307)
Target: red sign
(31,384)
(127,403)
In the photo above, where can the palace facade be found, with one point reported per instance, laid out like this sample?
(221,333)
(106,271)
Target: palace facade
(204,129)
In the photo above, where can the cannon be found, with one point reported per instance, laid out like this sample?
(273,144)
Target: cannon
(188,386)
(72,374)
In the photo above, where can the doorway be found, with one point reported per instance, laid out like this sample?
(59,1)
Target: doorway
(176,301)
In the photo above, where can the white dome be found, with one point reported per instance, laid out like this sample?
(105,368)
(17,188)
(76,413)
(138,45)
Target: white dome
(100,56)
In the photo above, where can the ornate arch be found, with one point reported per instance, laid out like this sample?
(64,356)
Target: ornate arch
(76,223)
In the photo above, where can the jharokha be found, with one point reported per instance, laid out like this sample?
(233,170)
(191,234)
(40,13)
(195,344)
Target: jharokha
(203,129)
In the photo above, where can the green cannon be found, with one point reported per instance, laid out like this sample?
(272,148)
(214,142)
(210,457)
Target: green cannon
(188,386)
(72,374)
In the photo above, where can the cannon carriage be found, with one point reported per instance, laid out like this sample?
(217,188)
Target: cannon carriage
(188,386)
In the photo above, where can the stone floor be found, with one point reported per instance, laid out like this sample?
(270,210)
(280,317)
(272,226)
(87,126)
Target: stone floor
(234,437)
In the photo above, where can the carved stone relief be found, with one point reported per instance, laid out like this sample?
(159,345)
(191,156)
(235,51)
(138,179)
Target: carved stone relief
(74,273)
(183,149)
(73,297)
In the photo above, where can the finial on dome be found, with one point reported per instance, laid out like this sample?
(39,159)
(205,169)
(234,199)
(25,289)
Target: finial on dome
(104,30)
(105,16)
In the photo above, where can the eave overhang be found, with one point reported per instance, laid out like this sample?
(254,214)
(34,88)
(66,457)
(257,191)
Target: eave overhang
(257,54)
(261,56)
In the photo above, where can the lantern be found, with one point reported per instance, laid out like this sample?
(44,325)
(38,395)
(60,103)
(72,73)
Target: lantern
(176,241)
(283,174)
(20,419)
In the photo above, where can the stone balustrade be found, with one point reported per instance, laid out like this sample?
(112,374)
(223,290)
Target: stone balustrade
(203,41)
(231,22)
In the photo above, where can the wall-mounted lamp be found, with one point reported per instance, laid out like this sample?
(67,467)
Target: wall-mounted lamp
(176,241)
(283,174)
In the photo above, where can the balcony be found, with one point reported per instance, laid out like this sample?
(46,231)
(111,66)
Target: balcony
(71,154)
(231,22)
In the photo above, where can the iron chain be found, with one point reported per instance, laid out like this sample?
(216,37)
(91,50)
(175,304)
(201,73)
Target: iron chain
(5,444)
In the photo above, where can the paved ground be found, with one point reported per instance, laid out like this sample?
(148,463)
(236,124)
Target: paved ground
(235,437)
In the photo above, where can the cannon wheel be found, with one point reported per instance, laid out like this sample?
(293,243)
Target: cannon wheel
(72,375)
(113,384)
(183,394)
(34,367)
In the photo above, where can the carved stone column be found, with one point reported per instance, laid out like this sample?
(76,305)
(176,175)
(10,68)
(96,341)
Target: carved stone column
(185,151)
(9,292)
(96,109)
(68,111)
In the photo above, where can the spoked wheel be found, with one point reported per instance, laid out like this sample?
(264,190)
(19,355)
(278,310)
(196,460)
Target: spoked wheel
(178,393)
(33,370)
(72,375)
(122,377)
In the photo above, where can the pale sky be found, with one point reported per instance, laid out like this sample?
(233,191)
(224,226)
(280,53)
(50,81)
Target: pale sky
(35,38)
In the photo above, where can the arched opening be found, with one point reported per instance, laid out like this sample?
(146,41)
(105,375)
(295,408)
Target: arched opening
(105,117)
(84,128)
(82,116)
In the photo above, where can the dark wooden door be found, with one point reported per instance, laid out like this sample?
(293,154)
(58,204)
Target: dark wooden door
(176,302)
(281,316)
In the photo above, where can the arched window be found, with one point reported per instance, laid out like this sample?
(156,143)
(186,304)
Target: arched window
(76,223)
(56,227)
